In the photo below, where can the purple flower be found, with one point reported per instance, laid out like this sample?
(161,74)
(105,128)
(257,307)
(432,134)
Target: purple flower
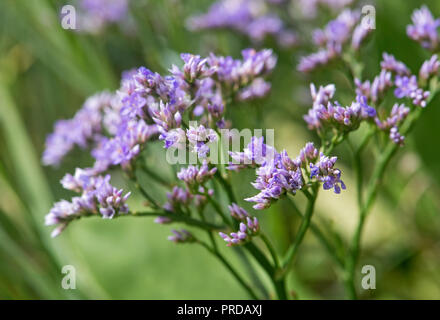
(125,146)
(97,192)
(96,14)
(256,153)
(247,229)
(194,67)
(376,90)
(238,213)
(162,220)
(181,236)
(177,198)
(323,117)
(325,172)
(253,18)
(360,33)
(323,95)
(331,40)
(389,63)
(199,139)
(309,8)
(429,68)
(82,130)
(406,87)
(396,137)
(424,28)
(257,89)
(194,176)
(274,180)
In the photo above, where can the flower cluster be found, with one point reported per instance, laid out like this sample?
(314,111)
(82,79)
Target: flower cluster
(424,28)
(200,87)
(194,176)
(199,138)
(97,14)
(181,236)
(256,19)
(395,74)
(256,153)
(283,175)
(85,128)
(97,196)
(325,172)
(248,227)
(177,199)
(333,38)
(326,115)
(309,8)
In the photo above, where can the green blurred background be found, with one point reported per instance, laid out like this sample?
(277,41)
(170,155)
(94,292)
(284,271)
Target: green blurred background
(46,73)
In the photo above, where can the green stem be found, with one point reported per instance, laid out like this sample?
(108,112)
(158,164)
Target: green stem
(371,193)
(176,218)
(210,235)
(153,175)
(271,249)
(219,211)
(293,249)
(145,194)
(231,269)
(320,236)
(227,187)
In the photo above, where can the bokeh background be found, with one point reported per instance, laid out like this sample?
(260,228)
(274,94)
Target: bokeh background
(47,72)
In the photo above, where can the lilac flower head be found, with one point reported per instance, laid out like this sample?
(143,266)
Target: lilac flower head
(199,139)
(323,95)
(195,175)
(406,87)
(424,28)
(97,192)
(82,130)
(332,39)
(195,67)
(96,14)
(256,153)
(238,213)
(177,198)
(110,199)
(389,63)
(253,18)
(247,229)
(274,180)
(331,115)
(325,172)
(360,33)
(257,89)
(429,68)
(181,236)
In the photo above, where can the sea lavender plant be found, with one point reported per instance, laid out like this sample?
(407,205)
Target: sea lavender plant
(257,19)
(148,107)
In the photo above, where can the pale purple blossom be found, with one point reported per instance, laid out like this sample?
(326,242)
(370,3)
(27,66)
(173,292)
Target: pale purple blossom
(195,176)
(181,236)
(424,28)
(238,213)
(247,229)
(256,153)
(389,63)
(98,196)
(200,138)
(325,172)
(429,68)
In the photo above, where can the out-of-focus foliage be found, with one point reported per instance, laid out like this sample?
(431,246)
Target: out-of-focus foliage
(47,72)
